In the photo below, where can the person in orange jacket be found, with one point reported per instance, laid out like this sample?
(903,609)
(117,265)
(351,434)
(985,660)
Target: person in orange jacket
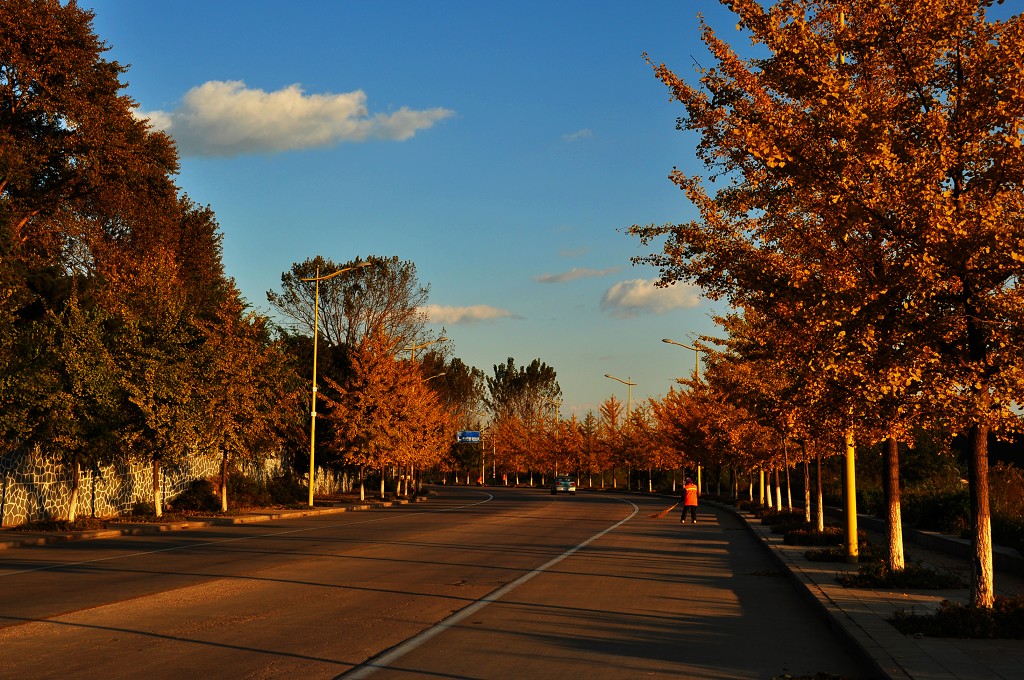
(689,499)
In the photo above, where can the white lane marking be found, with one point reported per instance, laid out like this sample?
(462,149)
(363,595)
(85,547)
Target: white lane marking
(272,534)
(382,661)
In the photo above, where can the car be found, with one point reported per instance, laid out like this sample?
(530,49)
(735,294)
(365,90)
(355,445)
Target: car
(565,484)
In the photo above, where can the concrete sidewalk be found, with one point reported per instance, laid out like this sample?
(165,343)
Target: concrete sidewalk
(861,615)
(10,538)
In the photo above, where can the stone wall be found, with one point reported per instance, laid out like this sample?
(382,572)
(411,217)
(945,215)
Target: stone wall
(34,488)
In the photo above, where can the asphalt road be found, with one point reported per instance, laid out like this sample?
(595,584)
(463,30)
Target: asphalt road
(475,583)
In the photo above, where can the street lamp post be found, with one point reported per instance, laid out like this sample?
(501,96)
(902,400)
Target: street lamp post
(696,376)
(629,391)
(316,332)
(411,349)
(628,382)
(696,356)
(483,469)
(557,404)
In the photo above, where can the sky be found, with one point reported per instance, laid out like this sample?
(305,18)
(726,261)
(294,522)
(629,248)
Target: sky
(503,148)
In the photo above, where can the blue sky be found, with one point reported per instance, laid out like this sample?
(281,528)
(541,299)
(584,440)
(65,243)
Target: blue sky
(502,147)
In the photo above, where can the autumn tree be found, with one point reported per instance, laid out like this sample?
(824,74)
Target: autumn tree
(244,390)
(385,413)
(610,436)
(873,172)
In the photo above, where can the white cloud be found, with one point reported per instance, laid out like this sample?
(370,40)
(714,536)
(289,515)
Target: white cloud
(443,314)
(225,118)
(638,296)
(578,135)
(575,273)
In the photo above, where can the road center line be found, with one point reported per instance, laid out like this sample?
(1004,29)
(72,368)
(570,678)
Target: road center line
(272,534)
(381,661)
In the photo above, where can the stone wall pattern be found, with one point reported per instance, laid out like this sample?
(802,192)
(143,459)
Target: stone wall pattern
(34,488)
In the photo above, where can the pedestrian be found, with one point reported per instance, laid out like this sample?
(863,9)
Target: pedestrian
(689,499)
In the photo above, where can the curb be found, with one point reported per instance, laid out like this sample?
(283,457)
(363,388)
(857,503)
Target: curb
(117,529)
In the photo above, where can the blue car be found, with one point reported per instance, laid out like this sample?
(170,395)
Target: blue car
(564,484)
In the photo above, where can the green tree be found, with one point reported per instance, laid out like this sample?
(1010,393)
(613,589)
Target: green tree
(524,391)
(384,297)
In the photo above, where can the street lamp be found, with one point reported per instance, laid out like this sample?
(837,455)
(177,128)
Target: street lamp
(696,355)
(629,391)
(557,404)
(696,376)
(412,348)
(483,469)
(316,332)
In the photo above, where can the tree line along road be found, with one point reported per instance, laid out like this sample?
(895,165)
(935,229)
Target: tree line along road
(475,583)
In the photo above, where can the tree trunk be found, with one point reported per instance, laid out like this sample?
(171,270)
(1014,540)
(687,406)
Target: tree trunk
(76,484)
(760,497)
(789,482)
(807,487)
(894,520)
(982,584)
(850,500)
(778,491)
(819,506)
(362,484)
(224,481)
(382,482)
(157,508)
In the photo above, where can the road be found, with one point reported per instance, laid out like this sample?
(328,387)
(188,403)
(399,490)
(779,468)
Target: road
(475,583)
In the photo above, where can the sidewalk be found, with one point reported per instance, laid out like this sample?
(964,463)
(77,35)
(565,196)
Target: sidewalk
(860,614)
(17,539)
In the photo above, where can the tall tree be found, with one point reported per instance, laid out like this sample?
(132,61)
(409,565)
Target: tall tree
(70,144)
(245,388)
(874,169)
(385,297)
(525,391)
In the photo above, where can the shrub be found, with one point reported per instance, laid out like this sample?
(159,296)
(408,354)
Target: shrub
(913,576)
(1006,490)
(753,507)
(778,518)
(868,553)
(143,509)
(80,524)
(947,513)
(247,491)
(832,535)
(1008,531)
(954,620)
(199,496)
(287,490)
(871,502)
